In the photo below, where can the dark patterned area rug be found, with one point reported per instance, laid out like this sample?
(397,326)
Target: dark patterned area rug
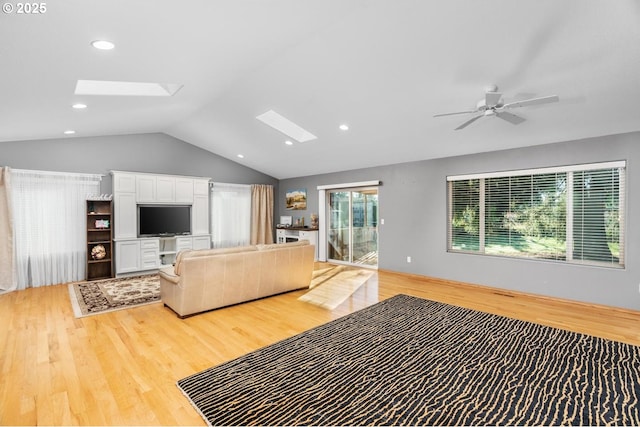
(410,361)
(100,296)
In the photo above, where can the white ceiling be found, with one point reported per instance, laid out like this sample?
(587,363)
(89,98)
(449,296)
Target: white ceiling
(384,67)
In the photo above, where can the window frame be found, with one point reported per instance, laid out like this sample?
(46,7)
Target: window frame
(569,170)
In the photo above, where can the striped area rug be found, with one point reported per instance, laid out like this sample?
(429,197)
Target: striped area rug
(410,361)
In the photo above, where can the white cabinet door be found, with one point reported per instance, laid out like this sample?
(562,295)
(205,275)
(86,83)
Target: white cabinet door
(200,214)
(165,189)
(184,190)
(201,186)
(201,242)
(312,237)
(126,214)
(124,182)
(127,256)
(146,188)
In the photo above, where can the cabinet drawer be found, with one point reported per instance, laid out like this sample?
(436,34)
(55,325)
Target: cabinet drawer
(183,243)
(149,254)
(150,244)
(149,257)
(148,264)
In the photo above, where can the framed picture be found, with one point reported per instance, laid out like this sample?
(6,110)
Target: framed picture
(296,199)
(102,223)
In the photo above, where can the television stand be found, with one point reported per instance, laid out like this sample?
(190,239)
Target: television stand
(152,253)
(169,246)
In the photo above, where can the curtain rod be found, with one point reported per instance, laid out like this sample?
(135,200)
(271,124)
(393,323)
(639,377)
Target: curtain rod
(212,183)
(54,173)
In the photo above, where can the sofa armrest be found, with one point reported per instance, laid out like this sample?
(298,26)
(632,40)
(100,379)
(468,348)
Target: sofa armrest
(169,274)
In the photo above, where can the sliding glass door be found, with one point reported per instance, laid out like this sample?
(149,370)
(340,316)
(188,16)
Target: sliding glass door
(352,230)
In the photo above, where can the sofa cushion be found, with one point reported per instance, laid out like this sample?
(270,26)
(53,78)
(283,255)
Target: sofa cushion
(194,253)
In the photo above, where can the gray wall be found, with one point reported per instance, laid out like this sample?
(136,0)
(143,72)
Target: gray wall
(413,203)
(154,153)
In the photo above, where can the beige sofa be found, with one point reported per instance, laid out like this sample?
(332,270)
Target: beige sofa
(202,280)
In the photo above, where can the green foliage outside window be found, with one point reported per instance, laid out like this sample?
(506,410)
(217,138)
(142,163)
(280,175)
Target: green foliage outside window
(526,216)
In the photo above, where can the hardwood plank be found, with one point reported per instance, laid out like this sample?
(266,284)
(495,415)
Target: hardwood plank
(121,367)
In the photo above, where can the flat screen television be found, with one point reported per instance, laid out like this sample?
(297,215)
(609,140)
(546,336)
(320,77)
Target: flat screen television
(163,220)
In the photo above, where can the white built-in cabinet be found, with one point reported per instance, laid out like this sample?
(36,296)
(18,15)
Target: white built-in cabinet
(293,234)
(126,212)
(167,189)
(184,188)
(127,256)
(130,189)
(200,209)
(146,188)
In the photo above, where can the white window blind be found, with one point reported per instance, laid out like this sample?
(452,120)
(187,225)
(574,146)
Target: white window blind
(464,225)
(571,214)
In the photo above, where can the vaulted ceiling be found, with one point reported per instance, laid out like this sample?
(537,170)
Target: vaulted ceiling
(384,67)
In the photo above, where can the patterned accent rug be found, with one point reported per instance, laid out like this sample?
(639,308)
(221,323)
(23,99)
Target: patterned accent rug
(100,296)
(330,287)
(410,361)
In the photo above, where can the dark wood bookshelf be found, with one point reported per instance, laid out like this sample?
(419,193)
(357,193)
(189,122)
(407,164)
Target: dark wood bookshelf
(99,233)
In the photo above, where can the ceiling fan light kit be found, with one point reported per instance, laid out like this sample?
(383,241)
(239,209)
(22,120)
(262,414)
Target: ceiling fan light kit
(493,105)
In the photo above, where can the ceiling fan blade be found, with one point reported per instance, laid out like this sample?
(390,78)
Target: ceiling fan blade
(533,101)
(457,112)
(468,122)
(491,99)
(511,118)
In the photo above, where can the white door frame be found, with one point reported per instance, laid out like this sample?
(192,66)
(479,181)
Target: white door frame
(322,211)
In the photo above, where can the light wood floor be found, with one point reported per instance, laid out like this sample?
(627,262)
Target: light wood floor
(120,368)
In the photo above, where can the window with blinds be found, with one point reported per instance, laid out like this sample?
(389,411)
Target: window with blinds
(570,214)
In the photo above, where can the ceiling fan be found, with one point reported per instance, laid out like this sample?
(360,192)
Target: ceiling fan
(493,105)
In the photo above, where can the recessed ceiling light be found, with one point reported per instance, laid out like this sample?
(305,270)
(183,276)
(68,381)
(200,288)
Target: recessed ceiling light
(344,127)
(69,132)
(79,106)
(241,156)
(286,126)
(288,142)
(104,87)
(102,44)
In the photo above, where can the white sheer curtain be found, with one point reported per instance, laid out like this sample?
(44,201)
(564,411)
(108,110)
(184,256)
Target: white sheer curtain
(7,266)
(230,215)
(50,225)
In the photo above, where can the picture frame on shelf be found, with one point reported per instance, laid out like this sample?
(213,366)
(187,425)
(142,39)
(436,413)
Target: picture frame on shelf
(102,224)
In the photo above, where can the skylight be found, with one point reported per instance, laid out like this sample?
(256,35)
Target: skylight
(285,126)
(103,87)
